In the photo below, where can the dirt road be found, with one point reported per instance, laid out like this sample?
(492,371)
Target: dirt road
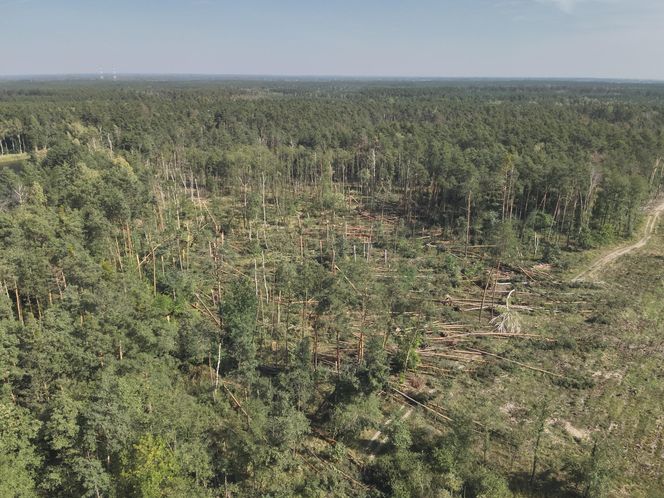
(651,223)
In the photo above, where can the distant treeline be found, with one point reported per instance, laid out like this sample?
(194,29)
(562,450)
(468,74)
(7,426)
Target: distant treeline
(580,156)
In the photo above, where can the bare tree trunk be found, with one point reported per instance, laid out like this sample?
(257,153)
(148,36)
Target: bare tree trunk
(486,288)
(18,303)
(216,381)
(467,224)
(338,362)
(263,197)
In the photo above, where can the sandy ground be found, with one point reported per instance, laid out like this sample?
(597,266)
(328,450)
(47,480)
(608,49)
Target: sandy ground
(593,270)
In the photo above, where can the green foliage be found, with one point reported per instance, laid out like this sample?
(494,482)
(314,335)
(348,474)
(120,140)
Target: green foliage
(402,475)
(150,469)
(488,484)
(596,469)
(539,221)
(407,357)
(375,371)
(238,312)
(551,253)
(347,421)
(19,459)
(203,284)
(398,435)
(505,241)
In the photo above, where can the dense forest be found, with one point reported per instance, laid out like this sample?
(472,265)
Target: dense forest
(326,288)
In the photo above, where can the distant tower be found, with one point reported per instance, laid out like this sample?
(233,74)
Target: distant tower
(101,74)
(115,75)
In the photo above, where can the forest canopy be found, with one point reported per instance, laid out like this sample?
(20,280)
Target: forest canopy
(258,288)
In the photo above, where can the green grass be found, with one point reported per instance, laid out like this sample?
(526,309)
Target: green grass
(613,346)
(13,160)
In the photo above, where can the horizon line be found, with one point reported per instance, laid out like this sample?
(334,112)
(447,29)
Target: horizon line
(114,76)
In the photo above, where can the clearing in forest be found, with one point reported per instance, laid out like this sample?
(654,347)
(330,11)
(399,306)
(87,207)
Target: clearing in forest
(651,223)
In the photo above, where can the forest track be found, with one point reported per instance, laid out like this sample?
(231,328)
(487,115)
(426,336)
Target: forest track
(651,223)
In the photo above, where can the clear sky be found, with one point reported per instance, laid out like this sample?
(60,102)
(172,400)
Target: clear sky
(445,38)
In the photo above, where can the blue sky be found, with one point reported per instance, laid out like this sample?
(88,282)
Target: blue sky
(446,38)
